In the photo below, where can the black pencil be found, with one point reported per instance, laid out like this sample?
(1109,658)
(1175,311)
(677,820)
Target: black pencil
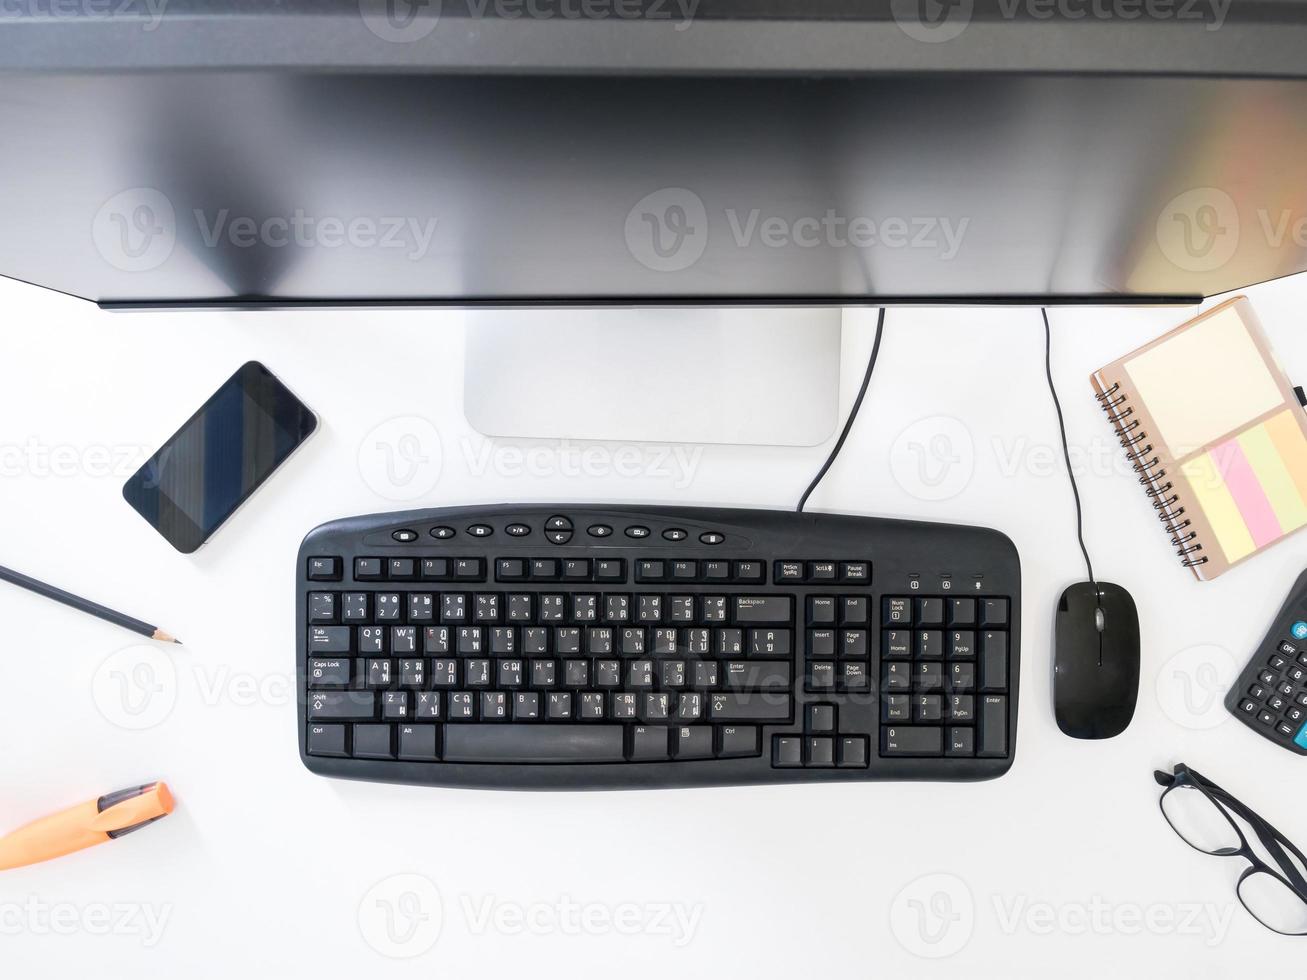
(85,605)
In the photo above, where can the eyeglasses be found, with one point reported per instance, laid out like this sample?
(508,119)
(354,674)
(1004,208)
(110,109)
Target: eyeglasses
(1203,815)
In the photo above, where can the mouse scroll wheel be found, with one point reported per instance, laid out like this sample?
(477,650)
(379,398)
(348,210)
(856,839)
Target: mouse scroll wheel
(1098,619)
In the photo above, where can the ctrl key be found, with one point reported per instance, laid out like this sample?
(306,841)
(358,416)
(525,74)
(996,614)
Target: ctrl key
(327,740)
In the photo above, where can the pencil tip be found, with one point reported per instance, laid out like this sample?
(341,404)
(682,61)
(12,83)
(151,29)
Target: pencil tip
(176,641)
(163,637)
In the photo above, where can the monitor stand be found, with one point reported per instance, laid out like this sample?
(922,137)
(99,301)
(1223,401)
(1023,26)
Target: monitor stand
(749,376)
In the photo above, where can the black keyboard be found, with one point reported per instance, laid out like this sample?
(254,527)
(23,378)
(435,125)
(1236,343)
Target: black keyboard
(579,647)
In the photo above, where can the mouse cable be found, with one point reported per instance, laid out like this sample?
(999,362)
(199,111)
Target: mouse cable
(1066,453)
(853,414)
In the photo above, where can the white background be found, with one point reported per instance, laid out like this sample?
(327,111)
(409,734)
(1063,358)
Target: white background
(1062,867)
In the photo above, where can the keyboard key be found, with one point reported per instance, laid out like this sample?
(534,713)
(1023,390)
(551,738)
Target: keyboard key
(961,743)
(995,612)
(417,743)
(770,643)
(993,726)
(787,751)
(896,612)
(510,570)
(535,743)
(930,612)
(737,742)
(821,611)
(855,611)
(962,612)
(749,706)
(326,740)
(993,661)
(896,645)
(324,569)
(757,675)
(368,569)
(749,571)
(322,607)
(910,740)
(328,672)
(373,742)
(855,572)
(820,752)
(764,609)
(341,705)
(692,742)
(853,752)
(648,743)
(329,639)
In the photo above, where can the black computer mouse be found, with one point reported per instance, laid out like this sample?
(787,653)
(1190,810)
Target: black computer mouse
(1095,660)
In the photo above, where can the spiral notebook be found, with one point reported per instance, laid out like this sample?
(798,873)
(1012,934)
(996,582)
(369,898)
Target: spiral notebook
(1217,435)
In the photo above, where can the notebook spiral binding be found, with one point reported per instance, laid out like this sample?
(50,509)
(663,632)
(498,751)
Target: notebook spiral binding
(1140,455)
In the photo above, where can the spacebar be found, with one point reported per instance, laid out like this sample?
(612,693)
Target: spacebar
(533,743)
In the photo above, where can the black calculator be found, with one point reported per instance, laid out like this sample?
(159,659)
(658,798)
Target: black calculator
(1270,696)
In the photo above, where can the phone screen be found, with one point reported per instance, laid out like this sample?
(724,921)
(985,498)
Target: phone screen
(214,462)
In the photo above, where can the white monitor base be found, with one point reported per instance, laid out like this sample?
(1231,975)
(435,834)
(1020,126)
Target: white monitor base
(765,377)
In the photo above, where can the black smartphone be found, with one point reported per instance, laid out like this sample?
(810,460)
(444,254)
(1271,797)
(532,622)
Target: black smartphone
(223,453)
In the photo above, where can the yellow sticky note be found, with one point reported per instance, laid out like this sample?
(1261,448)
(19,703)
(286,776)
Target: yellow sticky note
(1218,506)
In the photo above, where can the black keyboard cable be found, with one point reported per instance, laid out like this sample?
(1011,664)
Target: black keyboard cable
(853,413)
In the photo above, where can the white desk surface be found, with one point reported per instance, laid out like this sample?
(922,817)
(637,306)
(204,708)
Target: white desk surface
(1064,867)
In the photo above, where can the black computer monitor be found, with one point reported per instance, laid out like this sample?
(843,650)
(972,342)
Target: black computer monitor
(719,152)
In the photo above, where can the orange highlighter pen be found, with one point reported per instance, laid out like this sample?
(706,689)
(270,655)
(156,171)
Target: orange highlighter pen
(85,825)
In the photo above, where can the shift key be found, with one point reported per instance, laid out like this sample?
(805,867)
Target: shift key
(342,705)
(764,609)
(749,706)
